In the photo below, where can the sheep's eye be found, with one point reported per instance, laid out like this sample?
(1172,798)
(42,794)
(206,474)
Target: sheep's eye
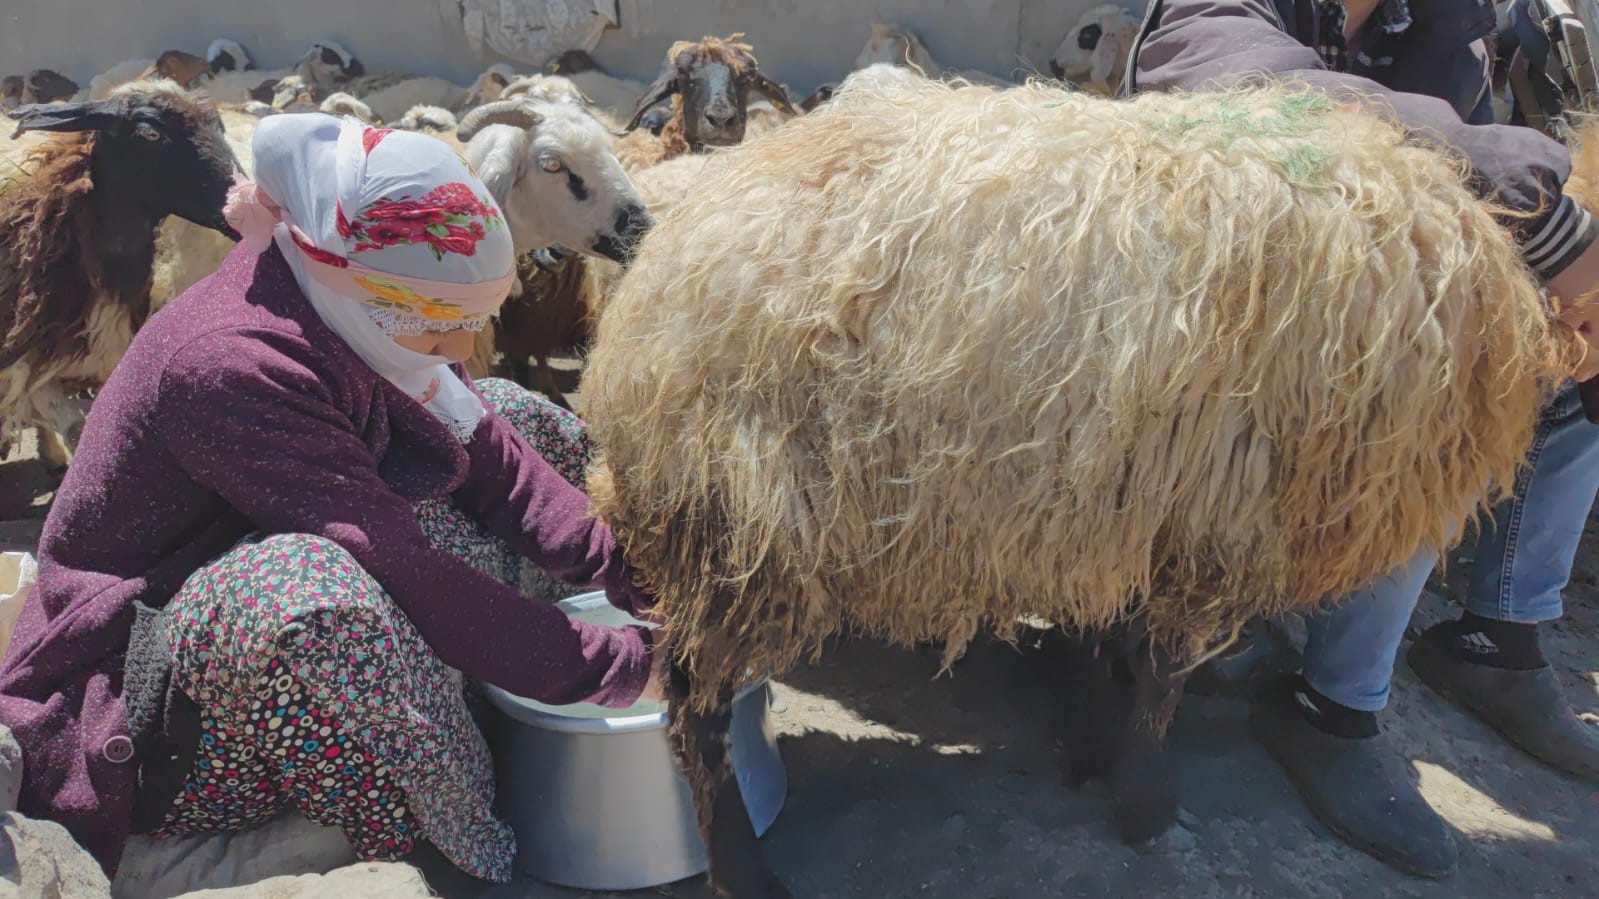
(148,132)
(550,164)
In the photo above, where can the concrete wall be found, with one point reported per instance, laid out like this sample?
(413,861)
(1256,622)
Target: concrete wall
(800,42)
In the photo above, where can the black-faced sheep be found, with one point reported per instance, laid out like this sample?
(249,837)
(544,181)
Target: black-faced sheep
(1094,362)
(709,83)
(77,237)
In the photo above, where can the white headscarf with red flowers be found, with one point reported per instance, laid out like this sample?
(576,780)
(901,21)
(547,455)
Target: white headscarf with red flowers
(388,233)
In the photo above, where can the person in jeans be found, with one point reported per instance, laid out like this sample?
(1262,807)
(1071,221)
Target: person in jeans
(1422,62)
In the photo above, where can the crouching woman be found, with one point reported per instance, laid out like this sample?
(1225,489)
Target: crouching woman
(292,525)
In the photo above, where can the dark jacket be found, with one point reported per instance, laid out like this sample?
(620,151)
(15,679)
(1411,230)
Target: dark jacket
(236,410)
(1436,87)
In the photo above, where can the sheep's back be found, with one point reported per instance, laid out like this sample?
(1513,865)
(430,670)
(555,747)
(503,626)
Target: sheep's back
(928,360)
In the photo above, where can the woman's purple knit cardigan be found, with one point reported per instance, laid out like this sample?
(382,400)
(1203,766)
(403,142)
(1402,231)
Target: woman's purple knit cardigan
(236,411)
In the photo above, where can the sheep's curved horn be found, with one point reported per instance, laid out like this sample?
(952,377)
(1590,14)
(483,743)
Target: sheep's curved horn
(517,111)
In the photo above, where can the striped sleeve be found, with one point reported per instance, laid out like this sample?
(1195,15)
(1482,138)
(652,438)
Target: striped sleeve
(1560,239)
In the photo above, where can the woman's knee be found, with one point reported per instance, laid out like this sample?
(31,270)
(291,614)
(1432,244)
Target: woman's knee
(502,394)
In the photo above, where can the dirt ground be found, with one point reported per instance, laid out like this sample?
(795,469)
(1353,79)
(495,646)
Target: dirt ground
(901,784)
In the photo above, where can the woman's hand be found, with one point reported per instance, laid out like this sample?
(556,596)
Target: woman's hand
(655,687)
(1576,293)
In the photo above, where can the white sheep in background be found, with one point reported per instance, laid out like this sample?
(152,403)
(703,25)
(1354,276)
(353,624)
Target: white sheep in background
(615,96)
(324,65)
(342,104)
(490,85)
(427,118)
(899,46)
(226,55)
(1094,53)
(392,95)
(101,85)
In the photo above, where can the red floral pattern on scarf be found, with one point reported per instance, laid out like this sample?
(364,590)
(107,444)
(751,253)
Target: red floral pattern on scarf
(316,252)
(371,137)
(449,218)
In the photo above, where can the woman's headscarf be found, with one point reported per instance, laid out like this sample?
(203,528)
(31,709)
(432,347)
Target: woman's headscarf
(387,232)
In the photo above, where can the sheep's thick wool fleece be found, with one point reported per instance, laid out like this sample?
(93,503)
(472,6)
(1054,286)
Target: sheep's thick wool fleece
(236,411)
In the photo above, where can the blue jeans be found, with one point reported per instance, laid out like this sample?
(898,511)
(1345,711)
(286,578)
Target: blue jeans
(1523,560)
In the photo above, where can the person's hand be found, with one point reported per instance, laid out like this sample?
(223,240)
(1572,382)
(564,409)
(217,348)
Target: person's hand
(655,687)
(1576,294)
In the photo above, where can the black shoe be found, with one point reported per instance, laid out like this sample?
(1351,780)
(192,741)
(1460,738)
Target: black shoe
(1358,788)
(1527,707)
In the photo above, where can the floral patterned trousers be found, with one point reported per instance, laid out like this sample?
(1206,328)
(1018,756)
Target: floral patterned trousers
(318,693)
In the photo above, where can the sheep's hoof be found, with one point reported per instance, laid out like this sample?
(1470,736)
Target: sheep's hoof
(773,889)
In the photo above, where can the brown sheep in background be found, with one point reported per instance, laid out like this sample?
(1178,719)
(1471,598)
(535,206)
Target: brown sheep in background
(77,241)
(38,86)
(182,69)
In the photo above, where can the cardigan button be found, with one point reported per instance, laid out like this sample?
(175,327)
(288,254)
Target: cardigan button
(118,750)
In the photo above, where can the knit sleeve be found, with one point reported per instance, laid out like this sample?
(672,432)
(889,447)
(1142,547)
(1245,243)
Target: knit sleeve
(251,419)
(515,493)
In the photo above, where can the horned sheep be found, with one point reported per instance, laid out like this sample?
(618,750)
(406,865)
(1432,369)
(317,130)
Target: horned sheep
(77,240)
(558,301)
(1125,362)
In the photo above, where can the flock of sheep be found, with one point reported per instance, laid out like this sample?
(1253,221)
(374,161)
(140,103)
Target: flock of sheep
(924,357)
(633,146)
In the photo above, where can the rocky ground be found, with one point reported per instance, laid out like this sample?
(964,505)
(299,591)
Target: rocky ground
(903,784)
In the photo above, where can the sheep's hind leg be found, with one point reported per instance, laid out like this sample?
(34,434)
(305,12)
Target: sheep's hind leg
(1146,781)
(702,744)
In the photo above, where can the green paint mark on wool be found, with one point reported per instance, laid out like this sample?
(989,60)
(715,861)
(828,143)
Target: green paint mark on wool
(1229,120)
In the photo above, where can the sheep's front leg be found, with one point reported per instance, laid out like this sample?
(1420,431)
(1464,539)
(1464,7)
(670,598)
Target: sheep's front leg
(1146,781)
(702,745)
(1094,709)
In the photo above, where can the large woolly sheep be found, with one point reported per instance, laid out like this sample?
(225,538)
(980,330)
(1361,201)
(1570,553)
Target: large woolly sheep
(928,361)
(77,236)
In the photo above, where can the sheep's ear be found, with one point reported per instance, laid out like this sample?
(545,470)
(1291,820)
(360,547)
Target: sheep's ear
(92,116)
(665,86)
(503,162)
(773,91)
